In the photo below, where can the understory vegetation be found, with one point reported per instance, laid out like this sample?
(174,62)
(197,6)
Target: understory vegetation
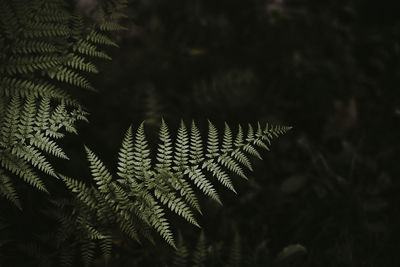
(199,133)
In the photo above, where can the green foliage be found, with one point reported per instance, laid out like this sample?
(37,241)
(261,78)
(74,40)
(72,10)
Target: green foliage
(206,253)
(138,199)
(46,47)
(49,49)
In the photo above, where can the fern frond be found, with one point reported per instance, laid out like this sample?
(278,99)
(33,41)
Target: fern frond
(181,155)
(259,141)
(200,253)
(28,64)
(227,161)
(67,75)
(174,203)
(44,143)
(181,253)
(42,122)
(9,127)
(164,157)
(22,169)
(61,118)
(157,219)
(86,48)
(128,227)
(125,157)
(7,190)
(196,145)
(142,160)
(227,139)
(84,193)
(99,172)
(200,180)
(99,38)
(78,63)
(27,119)
(242,158)
(34,156)
(45,30)
(106,247)
(186,191)
(87,249)
(136,201)
(33,47)
(212,142)
(220,174)
(249,140)
(91,232)
(251,150)
(111,26)
(10,87)
(235,255)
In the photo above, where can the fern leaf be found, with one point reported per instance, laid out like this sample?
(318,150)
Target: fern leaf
(34,156)
(9,127)
(24,88)
(200,253)
(251,150)
(61,118)
(164,156)
(99,172)
(44,143)
(69,76)
(196,145)
(22,169)
(181,253)
(266,134)
(157,219)
(91,232)
(128,227)
(8,190)
(242,158)
(181,155)
(174,203)
(87,248)
(37,30)
(212,142)
(126,156)
(142,160)
(111,26)
(106,247)
(99,38)
(220,174)
(43,115)
(78,63)
(33,46)
(29,64)
(231,164)
(239,137)
(186,191)
(83,192)
(227,139)
(202,183)
(86,48)
(250,134)
(27,119)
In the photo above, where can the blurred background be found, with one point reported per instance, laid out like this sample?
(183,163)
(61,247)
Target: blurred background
(328,192)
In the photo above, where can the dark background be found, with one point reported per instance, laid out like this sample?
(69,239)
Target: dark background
(328,68)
